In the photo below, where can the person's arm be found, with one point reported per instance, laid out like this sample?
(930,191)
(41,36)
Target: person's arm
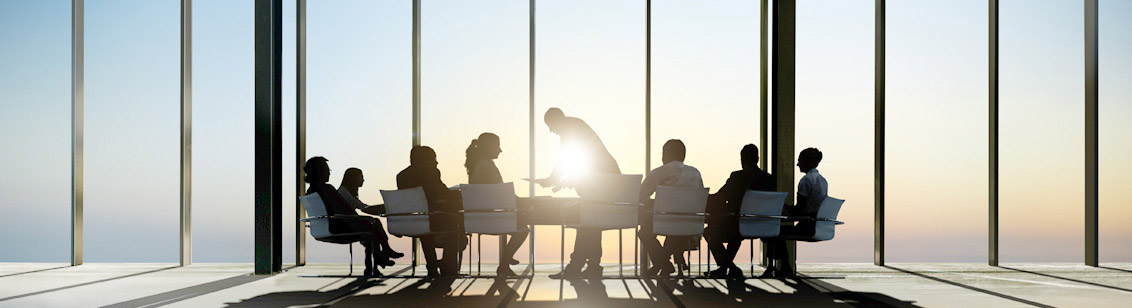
(648,186)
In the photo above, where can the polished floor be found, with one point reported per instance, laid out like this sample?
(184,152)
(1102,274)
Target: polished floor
(832,285)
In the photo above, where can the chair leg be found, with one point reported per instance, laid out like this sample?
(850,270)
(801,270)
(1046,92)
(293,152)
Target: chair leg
(479,254)
(636,250)
(620,253)
(469,254)
(414,267)
(351,259)
(562,249)
(752,247)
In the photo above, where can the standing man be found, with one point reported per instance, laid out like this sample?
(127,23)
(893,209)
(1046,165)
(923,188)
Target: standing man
(582,154)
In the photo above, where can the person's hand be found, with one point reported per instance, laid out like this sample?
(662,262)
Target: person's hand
(556,189)
(544,183)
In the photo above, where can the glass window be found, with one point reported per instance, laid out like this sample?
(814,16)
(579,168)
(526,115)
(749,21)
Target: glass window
(35,130)
(936,177)
(705,84)
(359,103)
(1042,131)
(132,139)
(834,113)
(223,132)
(1115,131)
(591,64)
(475,79)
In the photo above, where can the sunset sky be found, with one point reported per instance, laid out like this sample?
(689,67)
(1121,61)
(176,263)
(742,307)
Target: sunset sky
(591,63)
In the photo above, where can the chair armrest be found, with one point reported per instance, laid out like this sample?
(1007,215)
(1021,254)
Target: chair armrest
(679,213)
(417,214)
(633,204)
(764,216)
(836,222)
(492,211)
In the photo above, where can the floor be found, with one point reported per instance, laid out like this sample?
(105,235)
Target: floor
(832,285)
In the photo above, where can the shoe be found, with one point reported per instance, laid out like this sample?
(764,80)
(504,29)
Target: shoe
(734,272)
(566,274)
(652,272)
(373,273)
(433,272)
(384,262)
(667,271)
(717,273)
(769,273)
(593,271)
(505,271)
(393,254)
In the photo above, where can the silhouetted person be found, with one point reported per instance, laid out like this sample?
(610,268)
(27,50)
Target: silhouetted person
(582,154)
(812,190)
(352,179)
(480,162)
(422,172)
(317,176)
(674,173)
(724,206)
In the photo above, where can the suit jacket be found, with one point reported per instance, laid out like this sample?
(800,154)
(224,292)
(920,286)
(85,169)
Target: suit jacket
(729,198)
(439,197)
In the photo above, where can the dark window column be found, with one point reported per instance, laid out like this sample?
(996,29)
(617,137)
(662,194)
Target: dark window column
(268,137)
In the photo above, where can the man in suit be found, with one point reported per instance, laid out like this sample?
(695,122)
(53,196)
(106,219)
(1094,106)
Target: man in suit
(724,205)
(422,172)
(583,154)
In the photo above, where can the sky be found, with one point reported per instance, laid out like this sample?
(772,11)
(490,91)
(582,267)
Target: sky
(590,61)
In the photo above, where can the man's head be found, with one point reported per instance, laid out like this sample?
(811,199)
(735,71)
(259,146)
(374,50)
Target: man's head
(809,159)
(553,119)
(749,156)
(422,156)
(673,151)
(352,178)
(317,170)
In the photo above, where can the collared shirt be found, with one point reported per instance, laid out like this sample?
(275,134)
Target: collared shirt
(813,186)
(485,172)
(672,174)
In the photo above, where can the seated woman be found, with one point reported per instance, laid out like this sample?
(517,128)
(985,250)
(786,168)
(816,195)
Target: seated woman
(317,176)
(351,181)
(480,162)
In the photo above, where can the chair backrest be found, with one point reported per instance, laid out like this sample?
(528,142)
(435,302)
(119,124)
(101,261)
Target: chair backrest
(688,200)
(823,230)
(612,188)
(601,191)
(761,203)
(320,227)
(480,197)
(402,201)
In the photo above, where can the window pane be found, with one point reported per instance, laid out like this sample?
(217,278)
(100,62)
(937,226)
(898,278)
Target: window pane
(834,114)
(359,98)
(223,132)
(590,62)
(936,177)
(132,140)
(1042,127)
(1115,131)
(35,130)
(705,84)
(474,79)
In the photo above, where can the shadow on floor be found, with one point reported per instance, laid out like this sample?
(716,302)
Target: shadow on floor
(794,292)
(1067,279)
(35,271)
(590,293)
(174,296)
(85,284)
(984,291)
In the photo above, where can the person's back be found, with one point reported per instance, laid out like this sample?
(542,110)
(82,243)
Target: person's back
(815,189)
